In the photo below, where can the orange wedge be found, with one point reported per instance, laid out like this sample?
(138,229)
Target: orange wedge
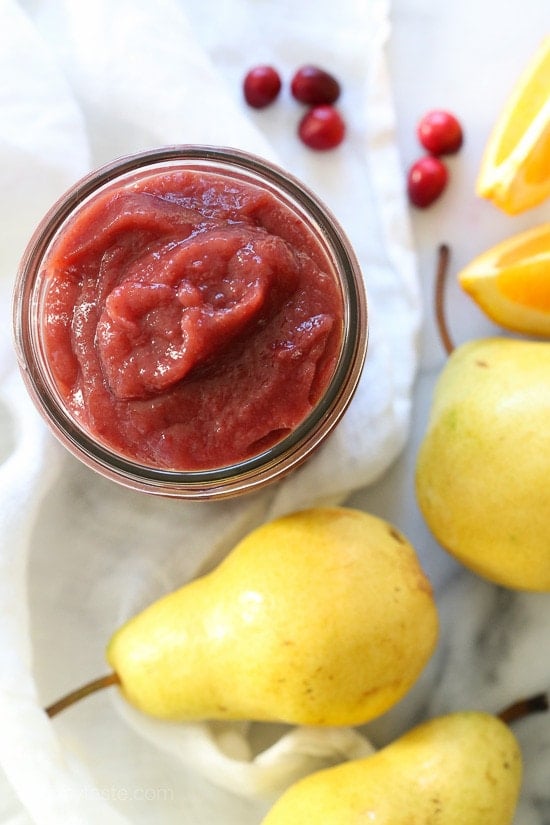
(515,169)
(511,282)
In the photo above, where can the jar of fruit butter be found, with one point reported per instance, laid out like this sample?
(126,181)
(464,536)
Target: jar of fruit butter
(190,321)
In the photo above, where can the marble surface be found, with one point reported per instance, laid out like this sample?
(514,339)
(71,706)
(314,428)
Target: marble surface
(495,643)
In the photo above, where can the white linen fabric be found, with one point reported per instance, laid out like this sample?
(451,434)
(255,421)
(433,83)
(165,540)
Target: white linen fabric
(81,84)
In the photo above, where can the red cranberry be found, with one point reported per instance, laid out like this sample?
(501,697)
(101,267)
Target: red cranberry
(322,128)
(440,133)
(314,86)
(426,181)
(261,86)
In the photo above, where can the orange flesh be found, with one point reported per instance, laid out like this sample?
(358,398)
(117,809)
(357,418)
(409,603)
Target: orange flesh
(534,94)
(528,285)
(532,247)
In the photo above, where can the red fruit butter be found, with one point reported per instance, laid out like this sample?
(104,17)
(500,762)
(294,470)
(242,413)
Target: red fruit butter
(440,133)
(426,181)
(314,86)
(261,86)
(322,128)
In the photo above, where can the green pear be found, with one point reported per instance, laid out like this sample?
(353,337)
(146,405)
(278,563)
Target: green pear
(323,617)
(483,468)
(459,769)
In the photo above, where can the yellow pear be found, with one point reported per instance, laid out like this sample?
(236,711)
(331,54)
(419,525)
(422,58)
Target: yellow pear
(459,769)
(483,469)
(323,617)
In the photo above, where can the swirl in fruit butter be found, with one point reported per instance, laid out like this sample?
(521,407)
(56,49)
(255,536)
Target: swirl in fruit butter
(191,321)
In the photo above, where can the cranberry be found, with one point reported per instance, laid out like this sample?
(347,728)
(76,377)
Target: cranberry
(261,86)
(322,128)
(426,181)
(440,133)
(314,86)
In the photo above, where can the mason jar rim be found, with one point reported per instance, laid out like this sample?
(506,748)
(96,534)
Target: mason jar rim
(251,473)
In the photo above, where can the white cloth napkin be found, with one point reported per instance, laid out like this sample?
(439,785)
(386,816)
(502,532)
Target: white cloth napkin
(81,84)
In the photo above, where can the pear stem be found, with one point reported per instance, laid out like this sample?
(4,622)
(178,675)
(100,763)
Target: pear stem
(440,279)
(81,692)
(524,707)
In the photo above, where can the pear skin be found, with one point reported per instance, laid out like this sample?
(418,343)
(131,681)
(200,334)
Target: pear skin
(483,468)
(323,617)
(460,769)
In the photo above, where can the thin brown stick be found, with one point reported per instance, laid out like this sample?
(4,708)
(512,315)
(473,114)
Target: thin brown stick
(81,693)
(440,279)
(524,707)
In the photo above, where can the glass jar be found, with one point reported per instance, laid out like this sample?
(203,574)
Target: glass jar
(255,470)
